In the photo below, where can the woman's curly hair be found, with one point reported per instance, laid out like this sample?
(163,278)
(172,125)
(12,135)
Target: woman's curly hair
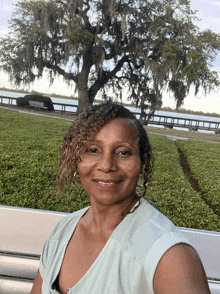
(88,124)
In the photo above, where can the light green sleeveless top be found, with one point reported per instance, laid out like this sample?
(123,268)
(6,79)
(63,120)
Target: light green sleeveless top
(127,263)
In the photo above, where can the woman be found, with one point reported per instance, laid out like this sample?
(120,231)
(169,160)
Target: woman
(121,244)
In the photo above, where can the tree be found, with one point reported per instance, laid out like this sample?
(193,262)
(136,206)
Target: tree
(101,45)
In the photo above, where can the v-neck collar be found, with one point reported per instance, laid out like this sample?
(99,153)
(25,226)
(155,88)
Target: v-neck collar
(122,226)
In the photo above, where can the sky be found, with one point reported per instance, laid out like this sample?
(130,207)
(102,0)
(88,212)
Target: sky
(208,12)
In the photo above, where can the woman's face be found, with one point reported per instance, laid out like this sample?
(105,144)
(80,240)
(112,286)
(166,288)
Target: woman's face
(110,167)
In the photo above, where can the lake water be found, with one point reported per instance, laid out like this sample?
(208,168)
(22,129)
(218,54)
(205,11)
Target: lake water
(74,103)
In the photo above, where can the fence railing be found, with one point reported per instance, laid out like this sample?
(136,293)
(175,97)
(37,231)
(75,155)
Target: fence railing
(162,120)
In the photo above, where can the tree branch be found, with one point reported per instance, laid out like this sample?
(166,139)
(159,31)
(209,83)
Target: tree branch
(106,77)
(59,70)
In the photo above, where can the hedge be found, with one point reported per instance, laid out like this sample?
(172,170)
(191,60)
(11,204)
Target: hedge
(203,159)
(171,193)
(24,101)
(29,158)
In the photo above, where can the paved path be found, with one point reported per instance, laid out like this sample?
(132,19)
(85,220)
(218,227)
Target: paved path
(174,138)
(32,112)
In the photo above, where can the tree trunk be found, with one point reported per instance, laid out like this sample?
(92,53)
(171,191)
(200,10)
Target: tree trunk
(83,99)
(83,92)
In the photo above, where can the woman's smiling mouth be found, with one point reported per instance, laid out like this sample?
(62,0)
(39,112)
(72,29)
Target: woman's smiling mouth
(106,184)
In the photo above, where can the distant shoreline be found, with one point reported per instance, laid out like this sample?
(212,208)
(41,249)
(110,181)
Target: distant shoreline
(165,109)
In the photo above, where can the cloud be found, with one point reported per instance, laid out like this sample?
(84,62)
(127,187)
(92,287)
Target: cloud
(209,13)
(7,8)
(3,31)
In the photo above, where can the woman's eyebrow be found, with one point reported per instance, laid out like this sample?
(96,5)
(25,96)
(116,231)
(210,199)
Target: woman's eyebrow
(98,141)
(127,142)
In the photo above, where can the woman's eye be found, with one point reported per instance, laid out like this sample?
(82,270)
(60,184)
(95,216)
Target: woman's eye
(92,150)
(125,152)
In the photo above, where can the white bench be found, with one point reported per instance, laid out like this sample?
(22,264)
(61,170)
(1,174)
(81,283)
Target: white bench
(37,105)
(23,233)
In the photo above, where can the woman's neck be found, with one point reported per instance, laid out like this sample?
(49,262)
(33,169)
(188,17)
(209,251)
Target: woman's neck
(104,219)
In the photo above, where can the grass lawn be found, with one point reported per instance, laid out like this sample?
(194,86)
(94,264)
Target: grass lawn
(29,158)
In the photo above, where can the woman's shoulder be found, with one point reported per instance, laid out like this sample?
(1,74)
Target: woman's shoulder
(146,217)
(150,234)
(66,224)
(151,218)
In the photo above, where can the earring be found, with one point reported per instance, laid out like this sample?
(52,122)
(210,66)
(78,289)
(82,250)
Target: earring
(140,185)
(143,186)
(75,180)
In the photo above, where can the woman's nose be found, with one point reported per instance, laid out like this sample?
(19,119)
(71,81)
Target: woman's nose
(107,163)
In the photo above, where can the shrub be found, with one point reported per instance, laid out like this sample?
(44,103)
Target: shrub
(171,193)
(24,101)
(204,163)
(29,159)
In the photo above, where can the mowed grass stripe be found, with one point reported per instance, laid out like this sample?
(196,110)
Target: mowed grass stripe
(171,193)
(203,159)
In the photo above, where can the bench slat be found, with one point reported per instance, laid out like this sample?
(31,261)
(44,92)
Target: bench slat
(214,287)
(207,244)
(21,267)
(36,104)
(24,231)
(10,286)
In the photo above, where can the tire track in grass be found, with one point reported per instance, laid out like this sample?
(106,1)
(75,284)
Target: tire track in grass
(170,192)
(187,171)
